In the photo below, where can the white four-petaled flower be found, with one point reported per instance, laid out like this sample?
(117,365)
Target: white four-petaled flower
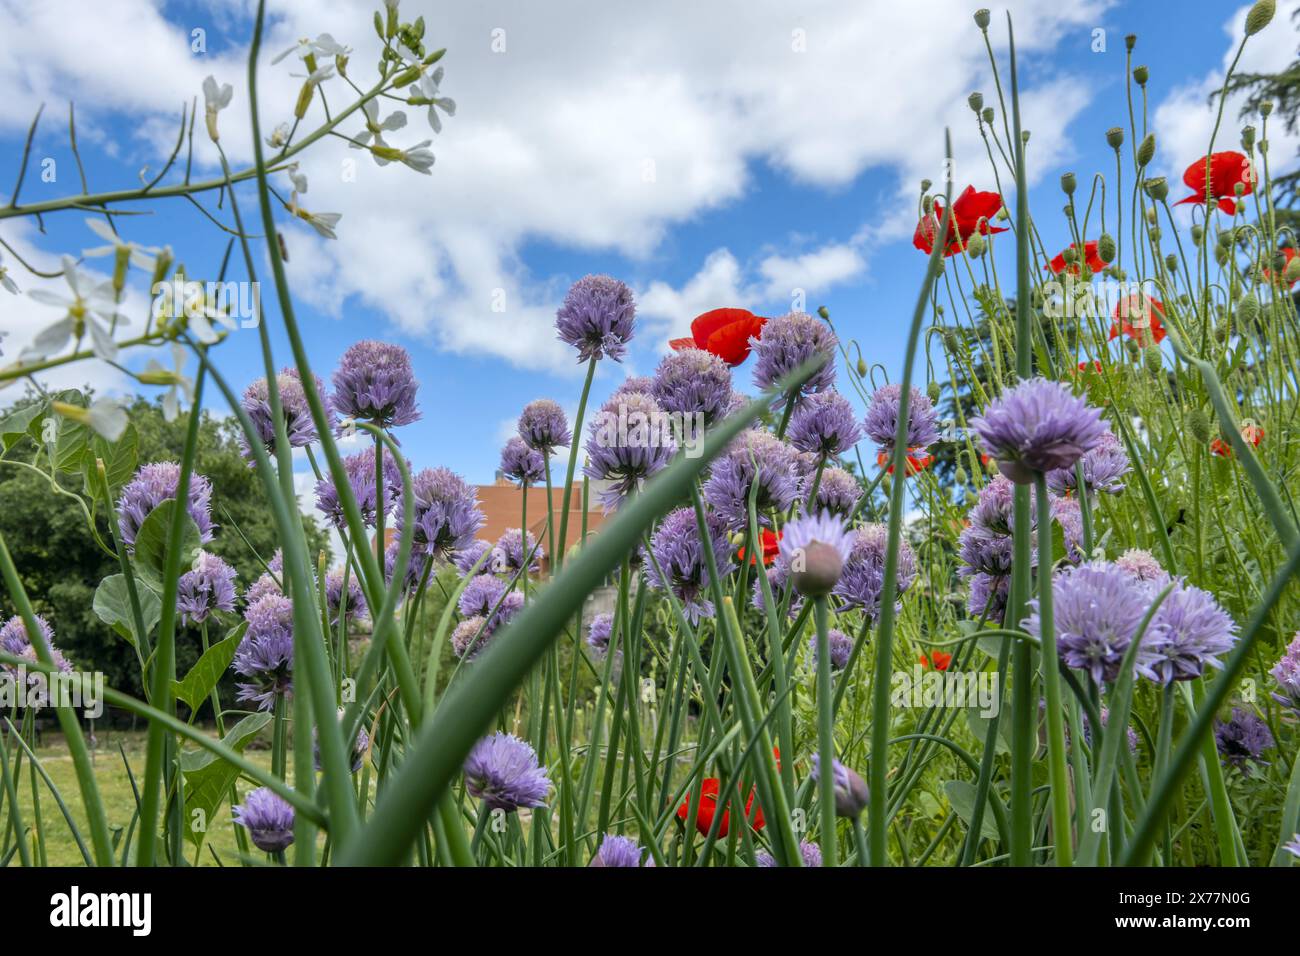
(90,304)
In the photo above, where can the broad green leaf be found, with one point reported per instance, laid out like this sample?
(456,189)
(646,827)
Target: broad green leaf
(207,670)
(14,427)
(112,604)
(119,458)
(962,797)
(151,545)
(208,778)
(979,726)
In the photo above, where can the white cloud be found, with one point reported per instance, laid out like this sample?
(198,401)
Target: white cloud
(600,127)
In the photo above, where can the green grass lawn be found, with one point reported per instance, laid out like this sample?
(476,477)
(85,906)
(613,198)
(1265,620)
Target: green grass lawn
(115,790)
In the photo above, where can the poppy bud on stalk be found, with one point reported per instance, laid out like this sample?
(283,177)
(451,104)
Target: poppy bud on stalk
(982,17)
(1068,183)
(1261,14)
(976,101)
(1106,248)
(1198,423)
(1140,75)
(1146,150)
(1247,311)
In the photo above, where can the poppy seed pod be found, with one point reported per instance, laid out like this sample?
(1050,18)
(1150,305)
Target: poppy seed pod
(1068,183)
(1146,150)
(1130,42)
(823,312)
(982,17)
(988,114)
(1171,262)
(1266,108)
(1198,423)
(1261,14)
(1140,75)
(1248,137)
(1106,248)
(1157,188)
(1115,137)
(976,101)
(925,185)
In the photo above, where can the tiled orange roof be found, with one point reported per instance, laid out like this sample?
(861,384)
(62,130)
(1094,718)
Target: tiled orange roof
(502,506)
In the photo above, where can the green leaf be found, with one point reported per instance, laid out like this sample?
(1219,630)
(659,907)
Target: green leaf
(962,797)
(120,458)
(979,726)
(112,604)
(151,544)
(207,670)
(208,778)
(14,427)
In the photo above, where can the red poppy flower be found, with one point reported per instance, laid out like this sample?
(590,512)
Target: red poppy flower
(1227,169)
(1288,253)
(1094,365)
(971,213)
(771,545)
(724,332)
(938,659)
(1090,255)
(1136,316)
(1249,432)
(709,806)
(917,460)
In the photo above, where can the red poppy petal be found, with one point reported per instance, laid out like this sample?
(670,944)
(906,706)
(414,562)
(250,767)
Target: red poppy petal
(678,344)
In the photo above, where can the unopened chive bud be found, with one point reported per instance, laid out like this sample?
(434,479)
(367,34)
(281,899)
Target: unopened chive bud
(1106,248)
(988,115)
(1146,150)
(1115,137)
(1261,14)
(982,18)
(976,101)
(1248,137)
(1157,188)
(1140,75)
(1068,183)
(1198,423)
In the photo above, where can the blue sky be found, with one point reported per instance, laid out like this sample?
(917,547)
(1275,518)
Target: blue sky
(773,169)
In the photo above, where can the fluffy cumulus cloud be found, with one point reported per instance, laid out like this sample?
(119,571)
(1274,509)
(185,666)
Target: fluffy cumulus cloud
(598,127)
(1185,119)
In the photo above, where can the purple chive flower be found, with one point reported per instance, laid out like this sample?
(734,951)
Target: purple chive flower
(354,606)
(816,550)
(1104,468)
(693,382)
(841,648)
(992,511)
(677,548)
(543,427)
(619,851)
(1242,738)
(374,383)
(1067,513)
(778,580)
(634,383)
(511,550)
(824,425)
(208,586)
(14,640)
(882,418)
(1037,427)
(264,585)
(1187,633)
(502,771)
(811,853)
(152,485)
(1293,847)
(1287,674)
(850,789)
(470,636)
(599,631)
(838,492)
(468,556)
(597,318)
(863,579)
(988,595)
(360,746)
(788,342)
(1098,609)
(414,566)
(265,655)
(983,552)
(268,818)
(447,514)
(298,425)
(1142,565)
(480,596)
(360,469)
(630,440)
(521,464)
(754,457)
